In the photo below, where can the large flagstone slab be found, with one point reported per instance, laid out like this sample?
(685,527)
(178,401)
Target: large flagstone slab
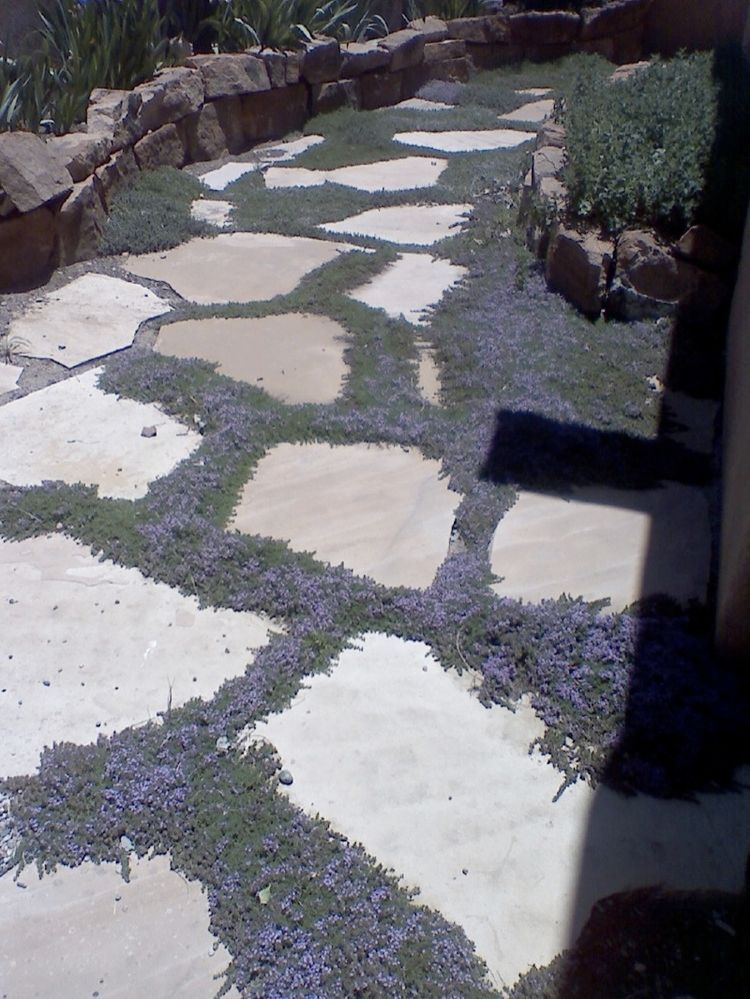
(396,754)
(281,152)
(90,648)
(213,212)
(420,104)
(405,174)
(9,375)
(297,358)
(237,266)
(382,511)
(428,375)
(415,225)
(601,542)
(85,931)
(410,286)
(465,141)
(534,111)
(92,316)
(73,432)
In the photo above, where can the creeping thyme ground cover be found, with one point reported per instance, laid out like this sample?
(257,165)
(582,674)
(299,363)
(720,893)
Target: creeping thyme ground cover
(633,699)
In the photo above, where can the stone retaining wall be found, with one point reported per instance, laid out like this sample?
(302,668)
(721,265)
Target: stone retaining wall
(55,192)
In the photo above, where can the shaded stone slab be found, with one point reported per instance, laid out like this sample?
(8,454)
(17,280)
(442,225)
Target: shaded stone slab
(387,175)
(420,104)
(396,754)
(534,91)
(74,432)
(362,57)
(92,316)
(382,511)
(213,212)
(465,141)
(417,225)
(534,111)
(604,543)
(281,152)
(93,647)
(237,266)
(85,931)
(410,286)
(297,358)
(9,375)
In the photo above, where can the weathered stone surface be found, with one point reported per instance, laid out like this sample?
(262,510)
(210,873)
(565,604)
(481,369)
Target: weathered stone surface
(613,18)
(171,95)
(203,136)
(26,248)
(293,66)
(551,189)
(551,134)
(547,161)
(406,48)
(701,245)
(541,27)
(230,75)
(337,94)
(493,28)
(321,61)
(164,147)
(433,28)
(452,48)
(82,152)
(578,266)
(413,78)
(113,174)
(275,63)
(598,46)
(229,117)
(81,222)
(380,90)
(116,112)
(410,287)
(456,70)
(416,225)
(627,70)
(272,114)
(31,173)
(363,57)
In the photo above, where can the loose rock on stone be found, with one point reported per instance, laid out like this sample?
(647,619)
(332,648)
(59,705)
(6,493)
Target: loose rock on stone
(286,778)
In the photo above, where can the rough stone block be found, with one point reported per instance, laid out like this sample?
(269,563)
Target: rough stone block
(546,53)
(454,70)
(272,114)
(275,63)
(706,248)
(406,48)
(321,62)
(488,56)
(82,152)
(380,90)
(434,29)
(481,30)
(31,172)
(230,75)
(615,17)
(293,67)
(547,161)
(229,115)
(542,27)
(27,244)
(452,48)
(80,223)
(203,136)
(578,266)
(337,94)
(363,57)
(116,112)
(551,134)
(164,147)
(113,174)
(413,79)
(598,46)
(171,95)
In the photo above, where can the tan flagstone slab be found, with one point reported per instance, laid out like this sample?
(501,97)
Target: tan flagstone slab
(92,316)
(534,111)
(9,375)
(74,432)
(90,648)
(237,266)
(420,104)
(428,375)
(410,286)
(85,931)
(405,174)
(214,212)
(382,511)
(417,225)
(465,141)
(621,544)
(220,178)
(534,91)
(396,754)
(296,357)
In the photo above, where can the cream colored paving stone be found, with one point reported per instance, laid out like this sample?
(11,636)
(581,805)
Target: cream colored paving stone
(396,754)
(382,511)
(420,104)
(237,266)
(9,375)
(90,648)
(410,286)
(296,357)
(405,174)
(85,931)
(416,225)
(280,152)
(92,316)
(428,375)
(621,544)
(214,212)
(74,432)
(535,91)
(534,111)
(465,141)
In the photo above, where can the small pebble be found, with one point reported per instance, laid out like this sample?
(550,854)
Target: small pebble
(222,745)
(464,870)
(285,778)
(148,432)
(126,843)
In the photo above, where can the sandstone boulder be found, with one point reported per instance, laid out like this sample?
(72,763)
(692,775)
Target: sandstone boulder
(271,114)
(380,90)
(321,62)
(706,248)
(578,266)
(80,223)
(164,147)
(452,48)
(614,18)
(27,244)
(434,29)
(406,48)
(203,136)
(113,174)
(480,30)
(541,27)
(547,161)
(362,57)
(337,94)
(452,70)
(82,152)
(171,95)
(629,69)
(116,113)
(275,63)
(551,134)
(32,174)
(231,75)
(293,66)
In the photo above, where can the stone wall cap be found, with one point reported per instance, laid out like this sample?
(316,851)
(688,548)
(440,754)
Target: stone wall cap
(433,28)
(32,173)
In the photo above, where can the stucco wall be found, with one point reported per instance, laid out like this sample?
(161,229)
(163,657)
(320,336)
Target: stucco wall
(694,24)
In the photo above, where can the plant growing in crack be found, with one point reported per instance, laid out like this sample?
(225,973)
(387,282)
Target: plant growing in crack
(11,346)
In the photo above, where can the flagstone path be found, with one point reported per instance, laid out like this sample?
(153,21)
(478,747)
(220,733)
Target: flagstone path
(391,749)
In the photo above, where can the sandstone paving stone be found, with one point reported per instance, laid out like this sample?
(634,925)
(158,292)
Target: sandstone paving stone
(397,754)
(420,104)
(410,286)
(602,542)
(220,178)
(236,267)
(404,174)
(382,511)
(85,931)
(415,225)
(91,647)
(428,375)
(458,141)
(297,358)
(9,375)
(534,91)
(91,316)
(74,432)
(534,111)
(214,212)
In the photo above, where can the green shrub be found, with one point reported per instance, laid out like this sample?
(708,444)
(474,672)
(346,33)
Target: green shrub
(285,24)
(448,9)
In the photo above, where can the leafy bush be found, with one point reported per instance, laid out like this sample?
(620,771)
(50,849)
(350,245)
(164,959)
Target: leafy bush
(448,9)
(279,24)
(639,150)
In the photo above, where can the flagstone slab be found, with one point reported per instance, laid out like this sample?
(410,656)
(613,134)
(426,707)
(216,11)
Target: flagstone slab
(92,316)
(397,754)
(409,225)
(298,358)
(534,91)
(73,432)
(428,375)
(457,141)
(381,510)
(220,178)
(9,375)
(236,266)
(85,931)
(405,174)
(534,111)
(90,648)
(410,286)
(601,542)
(420,104)
(213,212)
